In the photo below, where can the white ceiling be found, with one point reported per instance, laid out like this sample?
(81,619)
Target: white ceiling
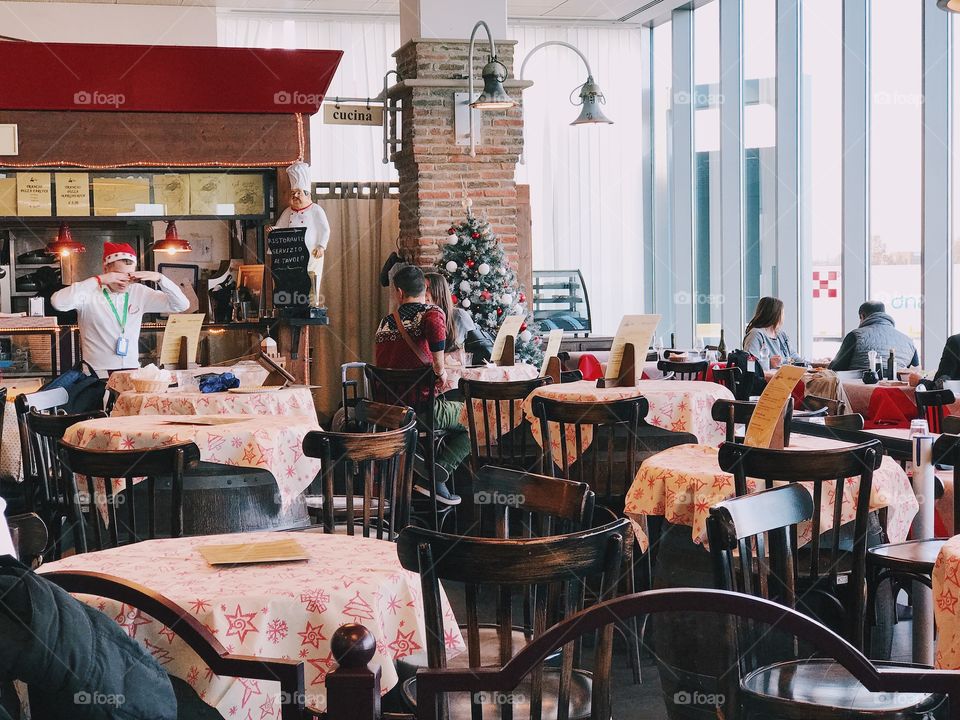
(609,10)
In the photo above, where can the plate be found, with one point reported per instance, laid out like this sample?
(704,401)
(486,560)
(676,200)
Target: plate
(253,553)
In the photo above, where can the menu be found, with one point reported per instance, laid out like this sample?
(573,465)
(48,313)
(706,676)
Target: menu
(246,192)
(115,195)
(207,190)
(288,268)
(766,416)
(186,326)
(33,194)
(73,194)
(173,192)
(510,326)
(553,347)
(8,196)
(637,330)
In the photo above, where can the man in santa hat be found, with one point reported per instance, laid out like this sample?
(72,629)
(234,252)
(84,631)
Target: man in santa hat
(110,308)
(302,212)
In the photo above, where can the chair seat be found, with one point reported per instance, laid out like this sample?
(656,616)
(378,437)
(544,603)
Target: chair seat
(917,556)
(823,688)
(340,503)
(581,692)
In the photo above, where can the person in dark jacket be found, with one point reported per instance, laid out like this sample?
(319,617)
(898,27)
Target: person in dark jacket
(950,360)
(878,333)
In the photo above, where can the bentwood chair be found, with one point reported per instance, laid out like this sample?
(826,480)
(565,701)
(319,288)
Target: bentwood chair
(366,477)
(96,471)
(753,543)
(694,370)
(555,570)
(29,537)
(45,401)
(739,412)
(730,377)
(931,404)
(833,564)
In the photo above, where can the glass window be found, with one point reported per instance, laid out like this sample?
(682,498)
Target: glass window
(662,90)
(955,166)
(821,167)
(896,36)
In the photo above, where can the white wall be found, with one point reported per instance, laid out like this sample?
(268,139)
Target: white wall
(100,23)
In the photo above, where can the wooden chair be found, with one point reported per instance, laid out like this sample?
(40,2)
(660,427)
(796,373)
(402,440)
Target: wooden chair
(59,505)
(417,389)
(102,467)
(29,537)
(844,422)
(45,401)
(730,377)
(950,425)
(930,405)
(739,412)
(753,544)
(556,569)
(568,376)
(695,370)
(834,564)
(366,478)
(195,635)
(815,402)
(12,489)
(489,405)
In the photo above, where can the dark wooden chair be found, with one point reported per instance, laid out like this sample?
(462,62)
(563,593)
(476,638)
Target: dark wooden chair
(739,412)
(45,401)
(753,544)
(417,389)
(730,377)
(58,504)
(950,425)
(29,536)
(95,471)
(568,376)
(694,370)
(196,635)
(366,478)
(832,573)
(556,570)
(844,422)
(930,405)
(815,402)
(495,410)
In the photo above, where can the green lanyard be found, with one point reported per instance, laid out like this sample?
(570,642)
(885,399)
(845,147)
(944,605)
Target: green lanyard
(126,302)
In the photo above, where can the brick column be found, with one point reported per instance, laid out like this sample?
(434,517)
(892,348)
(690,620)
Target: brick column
(433,169)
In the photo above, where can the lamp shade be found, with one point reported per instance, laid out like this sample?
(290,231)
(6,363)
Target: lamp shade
(591,98)
(949,5)
(64,244)
(493,97)
(172,243)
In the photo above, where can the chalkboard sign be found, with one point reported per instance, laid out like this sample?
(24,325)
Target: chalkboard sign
(288,267)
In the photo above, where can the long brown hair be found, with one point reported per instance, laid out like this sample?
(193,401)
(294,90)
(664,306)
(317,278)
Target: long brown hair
(440,295)
(768,314)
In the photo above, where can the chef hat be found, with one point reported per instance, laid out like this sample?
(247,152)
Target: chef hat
(118,251)
(299,174)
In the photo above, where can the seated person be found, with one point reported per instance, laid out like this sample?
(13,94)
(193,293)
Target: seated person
(878,333)
(459,321)
(950,360)
(421,342)
(764,331)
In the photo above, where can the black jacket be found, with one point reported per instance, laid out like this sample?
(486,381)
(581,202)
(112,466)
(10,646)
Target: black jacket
(950,360)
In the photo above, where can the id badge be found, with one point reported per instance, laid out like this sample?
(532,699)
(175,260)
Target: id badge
(122,346)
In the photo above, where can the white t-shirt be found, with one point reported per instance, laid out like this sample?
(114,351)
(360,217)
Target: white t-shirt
(99,329)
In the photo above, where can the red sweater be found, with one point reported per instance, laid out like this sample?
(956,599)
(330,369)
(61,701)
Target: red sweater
(427,327)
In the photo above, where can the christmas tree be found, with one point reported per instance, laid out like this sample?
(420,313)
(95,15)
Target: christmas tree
(483,283)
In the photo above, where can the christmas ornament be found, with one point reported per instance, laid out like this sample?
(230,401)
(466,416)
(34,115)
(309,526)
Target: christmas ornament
(523,326)
(454,299)
(475,235)
(521,297)
(451,230)
(465,303)
(483,269)
(506,299)
(525,336)
(499,311)
(465,286)
(451,266)
(486,295)
(453,240)
(470,263)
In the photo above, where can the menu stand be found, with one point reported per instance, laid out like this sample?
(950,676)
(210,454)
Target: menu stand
(628,370)
(553,369)
(508,354)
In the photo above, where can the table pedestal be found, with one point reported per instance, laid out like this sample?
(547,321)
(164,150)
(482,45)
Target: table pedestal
(923,486)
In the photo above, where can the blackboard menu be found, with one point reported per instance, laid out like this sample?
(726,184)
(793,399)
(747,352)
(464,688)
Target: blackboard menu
(288,267)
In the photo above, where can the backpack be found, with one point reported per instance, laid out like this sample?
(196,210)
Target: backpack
(84,391)
(751,383)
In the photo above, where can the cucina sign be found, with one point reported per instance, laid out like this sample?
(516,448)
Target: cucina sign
(337,114)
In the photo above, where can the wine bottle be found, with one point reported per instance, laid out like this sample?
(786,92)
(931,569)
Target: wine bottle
(891,365)
(673,341)
(722,347)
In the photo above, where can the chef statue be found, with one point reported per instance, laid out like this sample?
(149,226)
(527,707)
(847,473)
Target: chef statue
(302,212)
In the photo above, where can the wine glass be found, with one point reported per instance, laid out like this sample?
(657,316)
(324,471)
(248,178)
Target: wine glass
(699,345)
(658,346)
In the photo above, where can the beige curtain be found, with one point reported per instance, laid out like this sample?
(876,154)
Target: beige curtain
(364,224)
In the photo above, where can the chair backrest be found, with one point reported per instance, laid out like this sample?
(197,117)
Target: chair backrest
(29,534)
(950,425)
(567,376)
(493,410)
(557,569)
(845,422)
(609,464)
(815,402)
(537,505)
(946,451)
(378,417)
(372,474)
(729,377)
(828,471)
(45,401)
(930,404)
(98,470)
(415,388)
(694,370)
(739,412)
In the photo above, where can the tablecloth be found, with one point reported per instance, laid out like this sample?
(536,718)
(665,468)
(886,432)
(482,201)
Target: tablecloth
(282,401)
(266,442)
(681,406)
(275,610)
(682,483)
(946,592)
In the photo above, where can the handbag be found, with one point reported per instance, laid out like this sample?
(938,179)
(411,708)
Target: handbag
(479,344)
(85,391)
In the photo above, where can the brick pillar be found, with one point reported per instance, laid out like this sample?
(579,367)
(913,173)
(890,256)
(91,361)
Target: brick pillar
(433,169)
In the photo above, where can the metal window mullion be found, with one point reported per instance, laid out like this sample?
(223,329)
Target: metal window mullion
(731,167)
(646,159)
(682,173)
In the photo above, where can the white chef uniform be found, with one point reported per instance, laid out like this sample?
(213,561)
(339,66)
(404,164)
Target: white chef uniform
(313,219)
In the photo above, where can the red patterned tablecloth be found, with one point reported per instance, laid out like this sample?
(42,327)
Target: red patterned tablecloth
(276,610)
(269,443)
(283,401)
(682,406)
(682,483)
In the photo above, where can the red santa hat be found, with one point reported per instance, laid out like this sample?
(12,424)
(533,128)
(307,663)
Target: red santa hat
(118,251)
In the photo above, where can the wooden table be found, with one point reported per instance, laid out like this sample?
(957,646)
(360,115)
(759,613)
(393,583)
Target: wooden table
(288,610)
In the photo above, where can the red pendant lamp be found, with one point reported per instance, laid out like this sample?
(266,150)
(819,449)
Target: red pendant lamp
(64,243)
(172,243)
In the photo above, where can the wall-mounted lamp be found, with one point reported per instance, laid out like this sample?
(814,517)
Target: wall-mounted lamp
(493,97)
(591,98)
(64,244)
(949,5)
(172,243)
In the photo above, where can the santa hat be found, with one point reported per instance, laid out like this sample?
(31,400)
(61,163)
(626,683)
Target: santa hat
(118,251)
(299,174)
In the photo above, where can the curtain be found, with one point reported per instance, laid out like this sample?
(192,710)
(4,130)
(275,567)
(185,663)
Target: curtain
(364,225)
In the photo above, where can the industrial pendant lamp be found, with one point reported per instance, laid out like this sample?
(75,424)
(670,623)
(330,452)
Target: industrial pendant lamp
(590,94)
(493,97)
(172,243)
(949,5)
(64,244)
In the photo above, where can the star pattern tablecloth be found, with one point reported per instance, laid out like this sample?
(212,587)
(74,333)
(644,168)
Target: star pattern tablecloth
(274,610)
(269,443)
(946,592)
(284,401)
(492,373)
(683,482)
(681,406)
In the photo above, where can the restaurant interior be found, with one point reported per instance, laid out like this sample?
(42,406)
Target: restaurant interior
(487,359)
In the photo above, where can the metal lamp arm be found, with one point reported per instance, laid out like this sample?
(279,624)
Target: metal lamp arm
(493,53)
(555,42)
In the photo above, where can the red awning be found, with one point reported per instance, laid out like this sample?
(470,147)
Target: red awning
(135,78)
